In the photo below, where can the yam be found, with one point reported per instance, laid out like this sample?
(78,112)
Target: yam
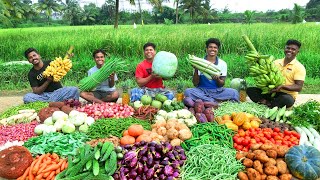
(247,162)
(282,167)
(262,157)
(271,162)
(263,176)
(271,153)
(251,155)
(281,150)
(253,174)
(272,178)
(266,147)
(271,170)
(258,166)
(285,177)
(242,176)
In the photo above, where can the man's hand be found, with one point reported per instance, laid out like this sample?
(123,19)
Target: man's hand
(112,75)
(50,78)
(216,77)
(153,75)
(277,89)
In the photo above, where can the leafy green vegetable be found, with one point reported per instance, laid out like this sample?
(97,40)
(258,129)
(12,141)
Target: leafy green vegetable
(307,114)
(14,110)
(103,128)
(248,107)
(62,144)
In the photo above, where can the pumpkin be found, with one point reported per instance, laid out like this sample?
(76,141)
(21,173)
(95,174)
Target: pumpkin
(246,125)
(127,140)
(304,162)
(135,130)
(232,126)
(240,118)
(143,137)
(226,117)
(218,119)
(165,64)
(237,84)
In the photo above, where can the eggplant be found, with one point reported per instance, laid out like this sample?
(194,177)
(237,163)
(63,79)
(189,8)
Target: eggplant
(150,173)
(116,176)
(183,156)
(144,177)
(152,144)
(176,174)
(124,169)
(164,162)
(156,166)
(171,155)
(201,118)
(128,147)
(152,150)
(122,176)
(175,164)
(159,147)
(133,174)
(167,147)
(137,144)
(143,151)
(133,162)
(139,168)
(150,162)
(130,155)
(162,177)
(170,178)
(181,162)
(157,155)
(168,170)
(138,178)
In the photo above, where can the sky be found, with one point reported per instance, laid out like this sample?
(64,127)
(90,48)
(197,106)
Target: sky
(232,5)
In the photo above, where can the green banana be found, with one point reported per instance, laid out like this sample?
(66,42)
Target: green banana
(281,113)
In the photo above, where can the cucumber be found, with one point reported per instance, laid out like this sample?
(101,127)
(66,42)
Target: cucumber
(105,147)
(111,164)
(88,165)
(108,152)
(95,167)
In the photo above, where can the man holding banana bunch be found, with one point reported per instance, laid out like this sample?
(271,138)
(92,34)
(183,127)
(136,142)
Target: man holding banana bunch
(45,88)
(294,73)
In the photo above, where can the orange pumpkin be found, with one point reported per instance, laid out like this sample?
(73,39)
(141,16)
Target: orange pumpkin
(233,115)
(226,117)
(125,133)
(135,130)
(218,119)
(127,140)
(240,118)
(143,137)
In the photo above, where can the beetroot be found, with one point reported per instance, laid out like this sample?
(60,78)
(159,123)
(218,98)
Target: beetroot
(209,114)
(208,104)
(188,102)
(201,118)
(199,106)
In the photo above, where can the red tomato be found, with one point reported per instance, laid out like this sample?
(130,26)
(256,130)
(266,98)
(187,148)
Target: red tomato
(276,129)
(286,132)
(268,136)
(245,149)
(257,139)
(295,134)
(245,142)
(239,147)
(277,137)
(241,133)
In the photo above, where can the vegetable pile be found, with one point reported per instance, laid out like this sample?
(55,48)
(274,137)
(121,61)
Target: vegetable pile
(61,144)
(15,110)
(19,132)
(107,110)
(150,160)
(203,111)
(211,161)
(105,127)
(227,107)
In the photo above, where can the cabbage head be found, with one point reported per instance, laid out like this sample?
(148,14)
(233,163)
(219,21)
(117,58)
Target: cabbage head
(165,64)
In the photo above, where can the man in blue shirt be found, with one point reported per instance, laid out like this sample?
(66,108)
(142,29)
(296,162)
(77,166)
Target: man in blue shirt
(212,90)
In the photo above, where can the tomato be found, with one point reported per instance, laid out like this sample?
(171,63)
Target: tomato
(285,143)
(286,132)
(239,147)
(295,134)
(257,139)
(245,142)
(241,133)
(268,136)
(274,134)
(245,149)
(277,137)
(276,129)
(252,134)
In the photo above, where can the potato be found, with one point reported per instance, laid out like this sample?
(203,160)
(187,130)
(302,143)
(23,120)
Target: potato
(272,178)
(257,152)
(271,170)
(255,146)
(240,155)
(251,155)
(253,174)
(266,147)
(282,167)
(258,166)
(247,162)
(271,162)
(263,177)
(242,176)
(281,150)
(271,153)
(285,177)
(262,157)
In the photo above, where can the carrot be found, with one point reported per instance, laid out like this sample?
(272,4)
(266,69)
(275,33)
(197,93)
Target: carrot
(54,156)
(58,171)
(42,167)
(31,176)
(63,165)
(39,176)
(51,176)
(52,167)
(45,175)
(24,175)
(36,166)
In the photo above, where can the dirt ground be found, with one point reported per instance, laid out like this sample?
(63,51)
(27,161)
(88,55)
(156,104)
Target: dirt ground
(9,100)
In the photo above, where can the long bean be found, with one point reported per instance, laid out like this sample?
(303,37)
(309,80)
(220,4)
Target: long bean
(14,110)
(209,161)
(209,133)
(249,107)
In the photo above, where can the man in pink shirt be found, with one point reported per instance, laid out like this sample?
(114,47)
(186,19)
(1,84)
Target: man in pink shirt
(148,82)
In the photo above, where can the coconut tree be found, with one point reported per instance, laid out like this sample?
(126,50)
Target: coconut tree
(297,14)
(48,7)
(248,16)
(72,11)
(193,7)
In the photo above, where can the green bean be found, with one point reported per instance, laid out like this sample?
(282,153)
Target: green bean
(249,107)
(210,162)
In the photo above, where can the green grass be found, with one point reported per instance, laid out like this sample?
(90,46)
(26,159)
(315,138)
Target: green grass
(126,43)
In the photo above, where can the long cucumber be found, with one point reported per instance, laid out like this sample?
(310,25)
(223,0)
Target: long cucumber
(206,70)
(203,62)
(205,65)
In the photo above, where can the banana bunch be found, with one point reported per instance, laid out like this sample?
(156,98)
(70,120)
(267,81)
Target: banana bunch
(59,67)
(263,69)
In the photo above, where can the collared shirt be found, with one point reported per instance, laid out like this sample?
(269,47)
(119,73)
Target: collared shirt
(144,69)
(292,71)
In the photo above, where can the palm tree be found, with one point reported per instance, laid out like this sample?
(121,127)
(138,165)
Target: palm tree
(117,12)
(90,13)
(28,11)
(248,15)
(48,7)
(297,14)
(193,7)
(177,2)
(3,15)
(72,11)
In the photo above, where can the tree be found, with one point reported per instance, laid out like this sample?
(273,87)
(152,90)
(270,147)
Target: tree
(297,14)
(107,12)
(72,12)
(248,16)
(117,12)
(90,13)
(28,11)
(193,7)
(312,4)
(48,7)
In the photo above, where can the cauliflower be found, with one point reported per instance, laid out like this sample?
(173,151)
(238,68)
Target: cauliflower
(184,114)
(172,115)
(162,113)
(190,122)
(159,118)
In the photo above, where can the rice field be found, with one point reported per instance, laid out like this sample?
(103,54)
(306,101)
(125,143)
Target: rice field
(126,43)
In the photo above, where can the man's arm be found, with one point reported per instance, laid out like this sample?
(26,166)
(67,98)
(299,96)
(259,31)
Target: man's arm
(111,80)
(297,86)
(43,87)
(196,77)
(143,81)
(220,80)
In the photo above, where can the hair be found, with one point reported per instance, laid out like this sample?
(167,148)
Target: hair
(213,40)
(98,51)
(29,50)
(293,41)
(149,44)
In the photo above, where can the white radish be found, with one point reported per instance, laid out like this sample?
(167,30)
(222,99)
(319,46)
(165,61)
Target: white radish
(303,138)
(316,143)
(26,111)
(309,134)
(314,132)
(298,129)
